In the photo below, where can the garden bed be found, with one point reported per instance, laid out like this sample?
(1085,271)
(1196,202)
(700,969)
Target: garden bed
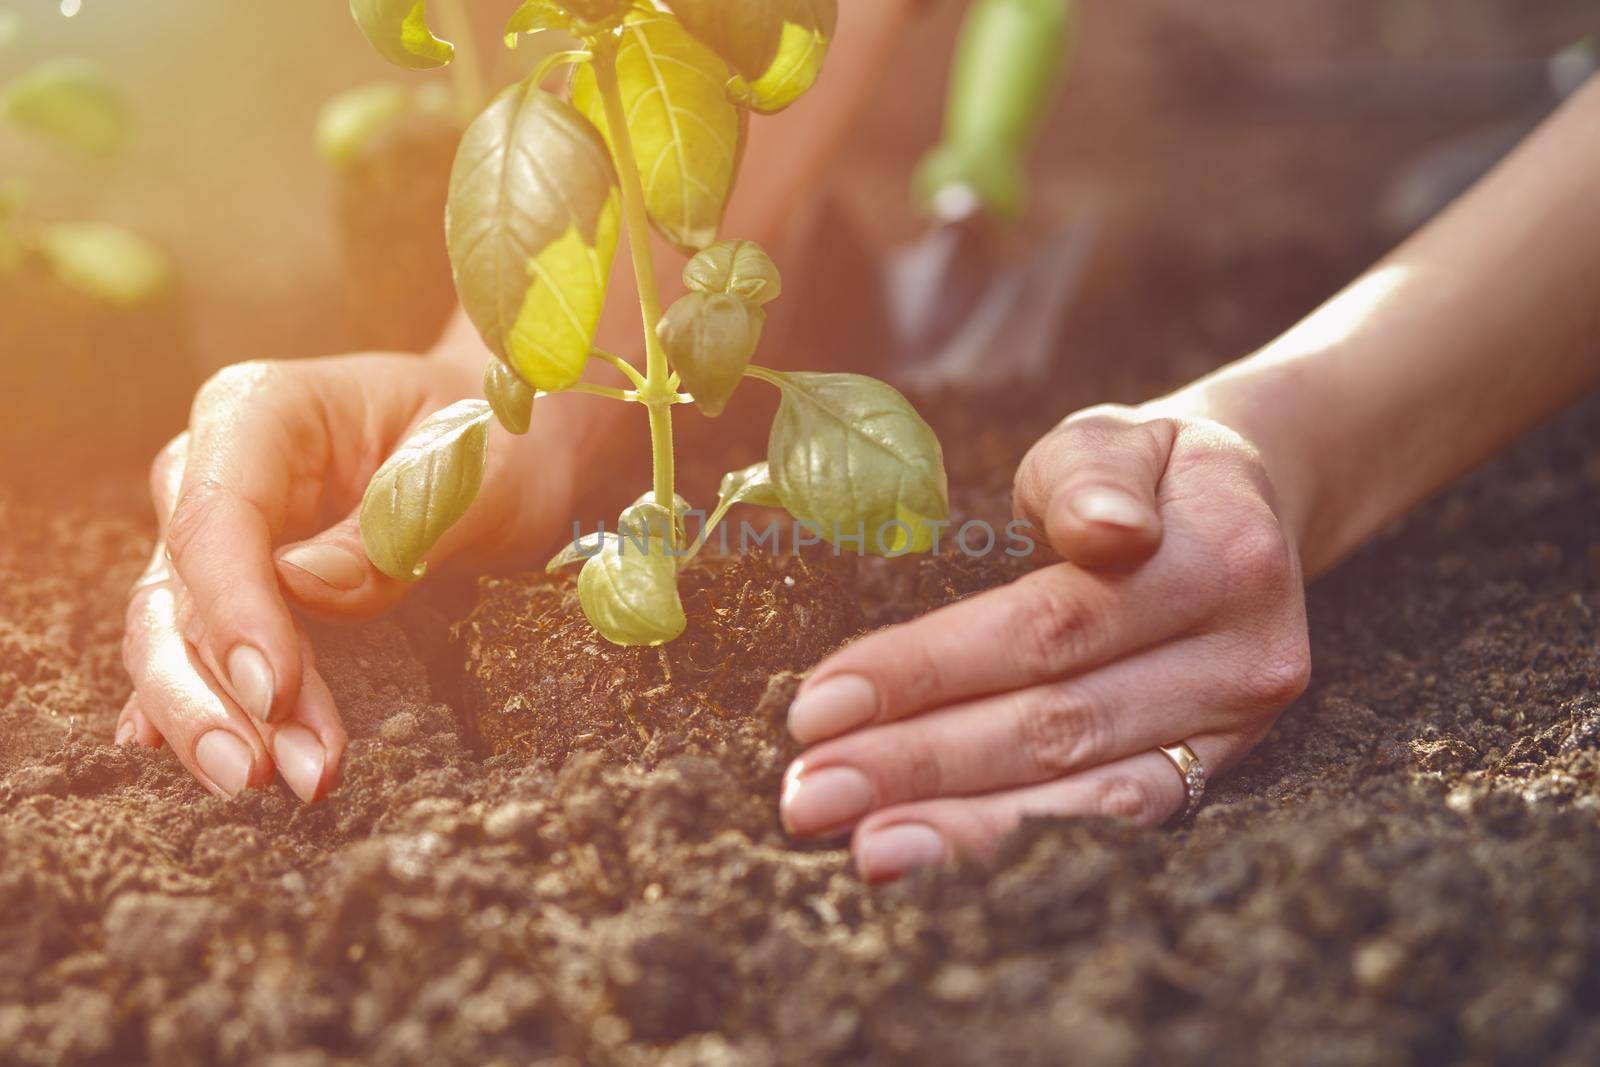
(1405,872)
(549,850)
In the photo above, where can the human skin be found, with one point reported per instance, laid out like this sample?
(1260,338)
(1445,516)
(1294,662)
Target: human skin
(1190,525)
(256,502)
(1191,522)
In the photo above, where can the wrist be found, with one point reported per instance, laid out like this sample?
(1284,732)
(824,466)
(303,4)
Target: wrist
(1259,407)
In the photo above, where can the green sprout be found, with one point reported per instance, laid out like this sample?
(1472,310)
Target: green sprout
(649,133)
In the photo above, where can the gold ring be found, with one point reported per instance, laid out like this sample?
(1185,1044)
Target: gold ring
(1194,775)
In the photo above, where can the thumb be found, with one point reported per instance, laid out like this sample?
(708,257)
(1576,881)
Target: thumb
(1097,497)
(330,575)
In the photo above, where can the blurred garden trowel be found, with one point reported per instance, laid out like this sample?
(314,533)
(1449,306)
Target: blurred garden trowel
(961,311)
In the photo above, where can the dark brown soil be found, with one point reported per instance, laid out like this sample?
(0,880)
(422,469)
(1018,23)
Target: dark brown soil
(547,850)
(1406,872)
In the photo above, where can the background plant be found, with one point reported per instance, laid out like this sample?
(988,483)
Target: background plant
(69,104)
(649,133)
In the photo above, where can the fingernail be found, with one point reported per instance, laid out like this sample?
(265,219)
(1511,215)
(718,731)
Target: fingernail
(225,760)
(1110,506)
(832,707)
(814,801)
(125,733)
(300,758)
(252,681)
(334,566)
(897,850)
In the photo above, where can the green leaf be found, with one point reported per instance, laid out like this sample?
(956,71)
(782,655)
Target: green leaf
(646,519)
(777,47)
(687,134)
(710,339)
(398,29)
(631,596)
(106,262)
(851,456)
(581,550)
(751,485)
(70,102)
(739,267)
(425,488)
(532,226)
(535,16)
(580,18)
(509,396)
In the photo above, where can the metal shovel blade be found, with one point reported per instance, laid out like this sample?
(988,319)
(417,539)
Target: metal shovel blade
(1008,318)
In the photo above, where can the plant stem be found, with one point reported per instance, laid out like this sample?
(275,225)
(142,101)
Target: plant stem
(657,393)
(766,374)
(466,72)
(551,62)
(622,365)
(595,390)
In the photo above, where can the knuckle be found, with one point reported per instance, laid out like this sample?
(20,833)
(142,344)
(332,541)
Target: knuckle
(167,460)
(1127,796)
(1278,678)
(1054,734)
(923,772)
(1256,556)
(234,383)
(191,515)
(1056,629)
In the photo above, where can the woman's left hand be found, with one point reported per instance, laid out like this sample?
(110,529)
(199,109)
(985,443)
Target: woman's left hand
(1180,617)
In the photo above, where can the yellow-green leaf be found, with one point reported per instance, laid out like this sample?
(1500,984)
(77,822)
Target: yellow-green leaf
(509,396)
(749,485)
(580,18)
(851,456)
(398,29)
(631,596)
(687,134)
(739,267)
(10,28)
(70,102)
(532,226)
(535,16)
(106,262)
(425,488)
(645,518)
(777,47)
(710,339)
(580,550)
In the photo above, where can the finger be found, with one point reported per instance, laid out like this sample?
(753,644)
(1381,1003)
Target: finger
(1093,486)
(1145,789)
(330,575)
(1046,625)
(1015,739)
(166,480)
(134,726)
(309,749)
(236,490)
(208,732)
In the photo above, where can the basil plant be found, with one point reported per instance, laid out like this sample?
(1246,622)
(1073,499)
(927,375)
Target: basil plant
(649,132)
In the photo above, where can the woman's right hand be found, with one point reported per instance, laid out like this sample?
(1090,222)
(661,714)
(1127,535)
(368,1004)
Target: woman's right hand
(257,508)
